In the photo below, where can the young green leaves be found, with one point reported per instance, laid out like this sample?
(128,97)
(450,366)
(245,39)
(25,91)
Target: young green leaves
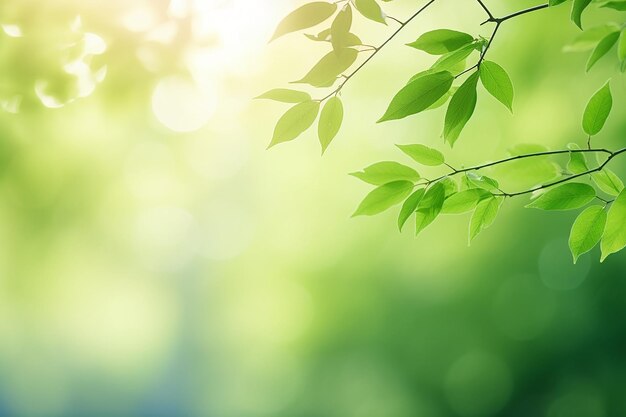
(614,238)
(326,71)
(387,171)
(587,230)
(603,47)
(568,196)
(578,8)
(497,82)
(293,123)
(461,108)
(307,16)
(423,154)
(597,110)
(371,10)
(441,41)
(384,197)
(285,95)
(484,215)
(429,207)
(330,121)
(418,95)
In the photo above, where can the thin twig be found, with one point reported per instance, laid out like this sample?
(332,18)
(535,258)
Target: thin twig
(393,35)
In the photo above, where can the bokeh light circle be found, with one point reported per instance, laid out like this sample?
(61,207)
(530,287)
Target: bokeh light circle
(556,268)
(181,105)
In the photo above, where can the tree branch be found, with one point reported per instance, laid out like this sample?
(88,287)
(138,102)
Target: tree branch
(393,35)
(563,180)
(498,21)
(525,156)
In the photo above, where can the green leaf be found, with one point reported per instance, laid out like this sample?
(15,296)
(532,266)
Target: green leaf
(340,28)
(443,100)
(482,181)
(307,16)
(608,182)
(555,2)
(615,5)
(602,48)
(597,110)
(441,41)
(460,109)
(577,10)
(577,162)
(384,197)
(449,185)
(295,121)
(587,230)
(429,207)
(565,197)
(450,60)
(464,201)
(497,82)
(423,154)
(371,10)
(621,46)
(614,238)
(484,215)
(326,71)
(410,206)
(285,95)
(590,37)
(418,95)
(385,172)
(330,121)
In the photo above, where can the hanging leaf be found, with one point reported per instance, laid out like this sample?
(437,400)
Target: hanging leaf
(614,238)
(441,41)
(598,110)
(371,10)
(464,201)
(587,230)
(608,182)
(418,95)
(384,197)
(429,207)
(578,8)
(285,95)
(326,71)
(410,206)
(590,38)
(577,161)
(423,154)
(388,171)
(602,48)
(293,123)
(497,82)
(615,5)
(568,196)
(307,16)
(484,215)
(340,29)
(330,121)
(451,60)
(460,109)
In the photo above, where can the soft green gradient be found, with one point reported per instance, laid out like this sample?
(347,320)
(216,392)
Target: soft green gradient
(145,272)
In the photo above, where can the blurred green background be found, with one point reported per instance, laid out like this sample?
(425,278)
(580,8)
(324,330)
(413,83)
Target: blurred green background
(156,260)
